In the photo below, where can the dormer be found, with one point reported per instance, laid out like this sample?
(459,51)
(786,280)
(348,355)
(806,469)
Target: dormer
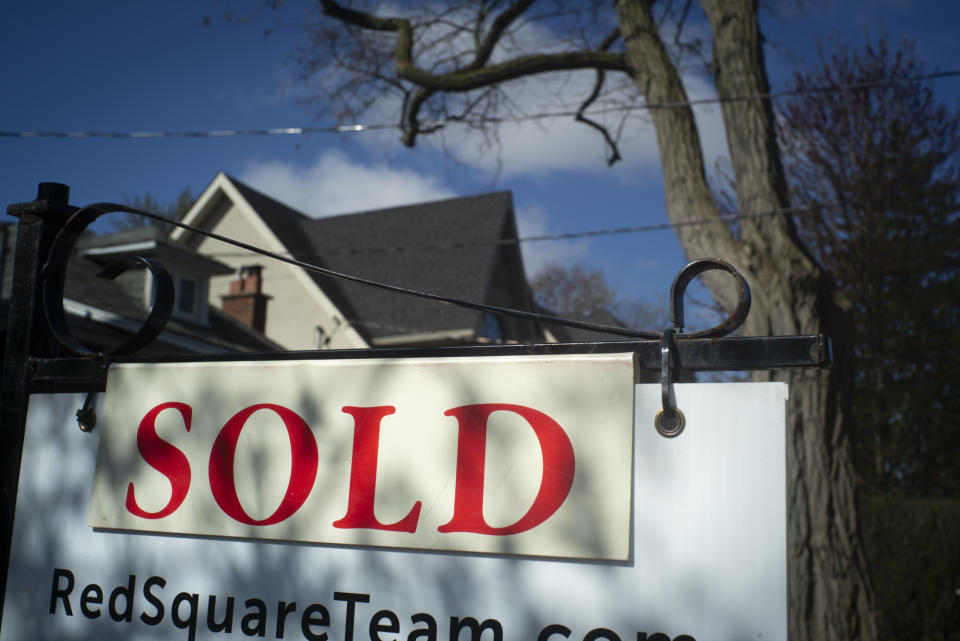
(190,270)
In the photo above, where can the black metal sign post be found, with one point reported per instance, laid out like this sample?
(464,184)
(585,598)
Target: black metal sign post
(28,337)
(41,355)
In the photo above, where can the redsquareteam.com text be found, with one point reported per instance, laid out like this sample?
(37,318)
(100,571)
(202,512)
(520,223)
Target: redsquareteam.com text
(314,621)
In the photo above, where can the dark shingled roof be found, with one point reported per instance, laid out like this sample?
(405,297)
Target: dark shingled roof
(446,247)
(222,333)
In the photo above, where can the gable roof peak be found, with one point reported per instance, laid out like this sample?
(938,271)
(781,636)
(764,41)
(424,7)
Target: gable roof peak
(448,247)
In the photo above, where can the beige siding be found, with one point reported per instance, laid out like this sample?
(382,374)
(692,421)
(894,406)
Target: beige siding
(296,308)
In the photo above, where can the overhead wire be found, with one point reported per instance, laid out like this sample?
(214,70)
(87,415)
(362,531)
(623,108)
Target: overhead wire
(592,233)
(104,208)
(300,261)
(563,113)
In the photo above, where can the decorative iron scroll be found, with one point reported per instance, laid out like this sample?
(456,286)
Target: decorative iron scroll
(54,279)
(679,287)
(55,276)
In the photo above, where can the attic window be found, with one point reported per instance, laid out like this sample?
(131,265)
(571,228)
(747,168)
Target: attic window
(491,328)
(187,296)
(190,298)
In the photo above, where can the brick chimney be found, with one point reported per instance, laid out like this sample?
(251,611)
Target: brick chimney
(246,302)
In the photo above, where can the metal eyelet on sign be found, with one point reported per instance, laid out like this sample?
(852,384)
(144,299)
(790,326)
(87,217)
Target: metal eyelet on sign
(670,425)
(669,421)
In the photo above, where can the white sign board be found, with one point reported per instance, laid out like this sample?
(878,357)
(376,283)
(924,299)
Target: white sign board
(496,455)
(706,551)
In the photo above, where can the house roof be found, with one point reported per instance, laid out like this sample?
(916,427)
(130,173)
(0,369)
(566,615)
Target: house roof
(102,313)
(447,247)
(149,242)
(221,333)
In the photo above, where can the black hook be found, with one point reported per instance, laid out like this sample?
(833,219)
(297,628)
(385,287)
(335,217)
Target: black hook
(86,415)
(670,421)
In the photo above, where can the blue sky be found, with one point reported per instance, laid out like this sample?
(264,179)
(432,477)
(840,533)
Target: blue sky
(117,65)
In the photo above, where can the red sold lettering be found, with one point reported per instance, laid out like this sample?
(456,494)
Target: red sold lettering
(303,465)
(363,474)
(555,484)
(164,458)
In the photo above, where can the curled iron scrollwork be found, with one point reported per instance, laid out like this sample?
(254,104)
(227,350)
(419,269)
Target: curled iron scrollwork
(679,286)
(54,281)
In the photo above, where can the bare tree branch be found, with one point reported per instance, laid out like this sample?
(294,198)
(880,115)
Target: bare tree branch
(477,75)
(497,29)
(614,155)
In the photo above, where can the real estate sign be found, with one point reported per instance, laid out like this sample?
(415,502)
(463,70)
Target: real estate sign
(499,498)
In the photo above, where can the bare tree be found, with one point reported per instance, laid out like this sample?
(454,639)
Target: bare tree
(462,62)
(577,291)
(572,289)
(149,203)
(883,163)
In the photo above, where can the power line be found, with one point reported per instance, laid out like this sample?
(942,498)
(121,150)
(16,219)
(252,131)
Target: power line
(638,229)
(357,128)
(98,209)
(216,133)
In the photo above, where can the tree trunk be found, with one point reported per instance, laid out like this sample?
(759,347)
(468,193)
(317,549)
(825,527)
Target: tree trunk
(829,587)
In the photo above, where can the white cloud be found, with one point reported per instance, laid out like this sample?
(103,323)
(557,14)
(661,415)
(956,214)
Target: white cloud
(334,185)
(538,146)
(532,221)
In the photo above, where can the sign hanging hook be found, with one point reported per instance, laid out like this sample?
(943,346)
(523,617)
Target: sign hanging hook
(670,421)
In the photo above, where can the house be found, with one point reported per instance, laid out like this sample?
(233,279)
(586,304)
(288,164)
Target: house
(194,325)
(103,313)
(232,300)
(462,248)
